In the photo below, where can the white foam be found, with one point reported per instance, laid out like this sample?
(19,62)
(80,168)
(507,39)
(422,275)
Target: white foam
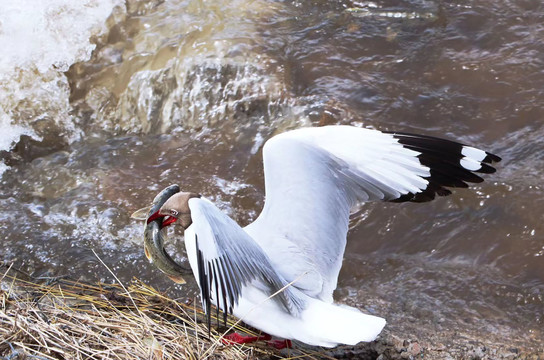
(3,168)
(39,40)
(43,34)
(229,187)
(9,135)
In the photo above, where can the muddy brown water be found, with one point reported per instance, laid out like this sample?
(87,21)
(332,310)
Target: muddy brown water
(187,92)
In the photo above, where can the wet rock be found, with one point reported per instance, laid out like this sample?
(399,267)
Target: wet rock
(414,349)
(399,346)
(479,352)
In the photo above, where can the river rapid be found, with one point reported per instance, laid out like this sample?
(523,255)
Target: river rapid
(104,103)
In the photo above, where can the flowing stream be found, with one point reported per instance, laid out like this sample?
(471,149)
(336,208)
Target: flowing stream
(105,103)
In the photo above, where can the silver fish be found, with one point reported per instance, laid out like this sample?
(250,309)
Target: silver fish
(154,237)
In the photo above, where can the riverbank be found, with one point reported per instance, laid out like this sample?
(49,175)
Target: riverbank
(65,319)
(58,318)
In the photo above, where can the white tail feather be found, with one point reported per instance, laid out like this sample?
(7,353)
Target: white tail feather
(330,324)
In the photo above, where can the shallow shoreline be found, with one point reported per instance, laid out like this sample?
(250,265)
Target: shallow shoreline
(63,319)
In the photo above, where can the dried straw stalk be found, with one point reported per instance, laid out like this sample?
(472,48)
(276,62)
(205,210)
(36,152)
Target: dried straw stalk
(73,320)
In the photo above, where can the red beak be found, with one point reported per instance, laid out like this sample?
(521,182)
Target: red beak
(154,216)
(167,220)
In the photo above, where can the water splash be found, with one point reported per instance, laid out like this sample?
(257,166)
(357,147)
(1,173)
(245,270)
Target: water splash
(207,70)
(39,41)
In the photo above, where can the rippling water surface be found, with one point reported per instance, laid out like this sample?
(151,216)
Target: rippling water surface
(188,91)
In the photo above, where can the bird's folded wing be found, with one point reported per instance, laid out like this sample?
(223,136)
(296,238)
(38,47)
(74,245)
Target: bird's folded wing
(313,177)
(229,259)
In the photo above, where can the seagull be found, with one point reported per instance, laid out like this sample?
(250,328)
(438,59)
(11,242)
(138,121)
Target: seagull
(278,274)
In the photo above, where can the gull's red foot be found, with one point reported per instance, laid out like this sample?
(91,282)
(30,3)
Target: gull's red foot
(236,338)
(280,344)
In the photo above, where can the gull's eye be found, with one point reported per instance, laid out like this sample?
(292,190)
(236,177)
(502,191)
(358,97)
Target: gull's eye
(174,213)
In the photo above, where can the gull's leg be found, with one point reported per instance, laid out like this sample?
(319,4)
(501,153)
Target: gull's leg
(236,338)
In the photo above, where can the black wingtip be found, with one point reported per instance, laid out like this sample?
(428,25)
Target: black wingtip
(204,285)
(451,164)
(491,158)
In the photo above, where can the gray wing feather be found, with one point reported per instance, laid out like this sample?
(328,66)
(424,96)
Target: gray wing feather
(229,259)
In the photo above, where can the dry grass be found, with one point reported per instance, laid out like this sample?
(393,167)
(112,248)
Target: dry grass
(72,320)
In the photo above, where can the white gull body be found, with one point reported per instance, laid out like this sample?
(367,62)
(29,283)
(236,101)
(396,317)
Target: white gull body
(278,274)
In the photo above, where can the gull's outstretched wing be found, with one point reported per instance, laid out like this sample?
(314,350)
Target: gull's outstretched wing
(314,176)
(229,259)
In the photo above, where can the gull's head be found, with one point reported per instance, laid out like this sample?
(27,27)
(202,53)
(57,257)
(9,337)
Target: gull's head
(176,208)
